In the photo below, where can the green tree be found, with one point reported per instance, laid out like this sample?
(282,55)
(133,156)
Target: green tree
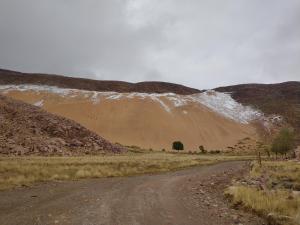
(201,148)
(283,142)
(177,145)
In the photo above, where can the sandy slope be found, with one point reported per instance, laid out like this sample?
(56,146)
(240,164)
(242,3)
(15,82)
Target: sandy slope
(144,122)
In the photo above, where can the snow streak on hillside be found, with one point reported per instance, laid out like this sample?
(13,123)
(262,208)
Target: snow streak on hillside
(221,103)
(224,104)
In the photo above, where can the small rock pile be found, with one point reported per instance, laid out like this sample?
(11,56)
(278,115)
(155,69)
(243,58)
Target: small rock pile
(29,130)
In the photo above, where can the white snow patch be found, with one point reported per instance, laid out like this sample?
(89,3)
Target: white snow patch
(39,103)
(177,100)
(37,88)
(95,98)
(225,105)
(156,98)
(138,95)
(115,96)
(221,103)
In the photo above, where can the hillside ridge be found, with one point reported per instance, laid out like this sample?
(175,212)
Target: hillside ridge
(17,78)
(281,99)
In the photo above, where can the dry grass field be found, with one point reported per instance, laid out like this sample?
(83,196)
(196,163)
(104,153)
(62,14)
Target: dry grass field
(24,171)
(279,171)
(279,200)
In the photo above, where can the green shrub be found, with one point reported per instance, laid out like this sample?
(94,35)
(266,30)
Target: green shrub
(284,142)
(177,145)
(215,152)
(201,148)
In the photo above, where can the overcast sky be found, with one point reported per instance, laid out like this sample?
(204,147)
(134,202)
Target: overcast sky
(199,43)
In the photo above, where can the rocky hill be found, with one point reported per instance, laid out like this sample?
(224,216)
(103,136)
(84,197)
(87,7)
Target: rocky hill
(17,78)
(281,99)
(29,130)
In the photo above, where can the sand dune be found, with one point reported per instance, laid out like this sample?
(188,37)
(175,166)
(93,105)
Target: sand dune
(149,121)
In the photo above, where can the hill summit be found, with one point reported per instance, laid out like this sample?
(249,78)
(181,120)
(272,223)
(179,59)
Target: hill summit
(17,78)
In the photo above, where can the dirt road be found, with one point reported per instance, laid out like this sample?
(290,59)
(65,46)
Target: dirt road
(189,197)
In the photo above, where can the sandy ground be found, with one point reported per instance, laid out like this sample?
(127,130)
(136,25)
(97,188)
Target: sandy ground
(145,123)
(189,197)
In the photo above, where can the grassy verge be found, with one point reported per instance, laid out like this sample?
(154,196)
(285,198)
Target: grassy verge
(24,171)
(281,174)
(272,191)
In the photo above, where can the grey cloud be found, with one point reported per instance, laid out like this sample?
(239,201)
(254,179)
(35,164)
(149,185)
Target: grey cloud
(202,44)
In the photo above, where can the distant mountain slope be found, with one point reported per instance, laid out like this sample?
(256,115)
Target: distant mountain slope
(211,119)
(28,130)
(154,114)
(281,98)
(11,77)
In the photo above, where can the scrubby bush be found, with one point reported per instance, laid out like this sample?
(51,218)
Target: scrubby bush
(201,148)
(215,152)
(177,145)
(283,142)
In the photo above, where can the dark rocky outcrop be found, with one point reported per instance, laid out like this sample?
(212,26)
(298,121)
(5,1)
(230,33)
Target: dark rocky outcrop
(29,130)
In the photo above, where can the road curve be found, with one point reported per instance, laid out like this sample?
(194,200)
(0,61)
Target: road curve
(188,197)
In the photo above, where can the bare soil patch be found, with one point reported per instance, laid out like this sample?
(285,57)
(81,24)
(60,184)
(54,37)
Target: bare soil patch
(190,197)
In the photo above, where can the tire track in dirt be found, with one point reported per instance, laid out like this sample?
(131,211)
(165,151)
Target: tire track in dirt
(188,197)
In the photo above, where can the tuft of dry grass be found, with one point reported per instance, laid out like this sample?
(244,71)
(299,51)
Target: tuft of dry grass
(275,202)
(278,204)
(24,171)
(278,171)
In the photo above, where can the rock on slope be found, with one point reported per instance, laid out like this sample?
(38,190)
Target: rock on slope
(27,130)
